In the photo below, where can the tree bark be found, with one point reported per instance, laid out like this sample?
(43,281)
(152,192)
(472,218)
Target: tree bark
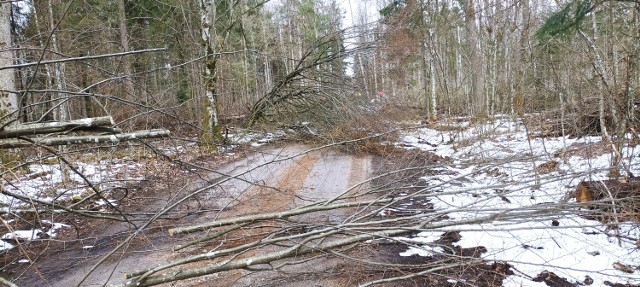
(267,216)
(475,60)
(61,113)
(68,140)
(211,121)
(432,75)
(52,127)
(48,81)
(8,99)
(124,42)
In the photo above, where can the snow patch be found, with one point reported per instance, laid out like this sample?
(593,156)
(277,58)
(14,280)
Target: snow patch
(45,181)
(494,171)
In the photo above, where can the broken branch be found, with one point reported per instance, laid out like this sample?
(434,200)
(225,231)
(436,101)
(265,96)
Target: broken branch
(67,140)
(52,127)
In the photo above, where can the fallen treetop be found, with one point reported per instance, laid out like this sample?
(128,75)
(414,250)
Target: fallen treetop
(52,127)
(66,140)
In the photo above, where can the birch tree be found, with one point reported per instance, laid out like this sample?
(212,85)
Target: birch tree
(211,121)
(8,98)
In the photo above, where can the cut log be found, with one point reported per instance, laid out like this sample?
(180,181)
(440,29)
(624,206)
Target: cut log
(67,140)
(99,123)
(600,189)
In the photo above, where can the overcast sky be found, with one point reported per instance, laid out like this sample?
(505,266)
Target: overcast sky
(353,8)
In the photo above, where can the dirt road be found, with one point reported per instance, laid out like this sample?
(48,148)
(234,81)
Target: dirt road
(270,180)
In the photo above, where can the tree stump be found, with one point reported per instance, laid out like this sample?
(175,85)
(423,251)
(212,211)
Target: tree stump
(595,190)
(626,194)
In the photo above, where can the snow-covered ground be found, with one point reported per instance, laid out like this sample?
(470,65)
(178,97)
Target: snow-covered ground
(494,170)
(255,139)
(44,182)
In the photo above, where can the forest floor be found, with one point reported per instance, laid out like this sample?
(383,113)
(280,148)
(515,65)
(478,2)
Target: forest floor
(294,181)
(471,170)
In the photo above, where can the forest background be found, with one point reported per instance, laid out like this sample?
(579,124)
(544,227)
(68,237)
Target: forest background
(202,64)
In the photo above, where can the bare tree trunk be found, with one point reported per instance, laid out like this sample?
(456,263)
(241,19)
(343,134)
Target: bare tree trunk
(49,78)
(375,73)
(429,45)
(61,113)
(124,41)
(88,139)
(458,64)
(52,127)
(425,72)
(8,99)
(475,60)
(425,79)
(604,88)
(211,121)
(245,63)
(603,84)
(432,67)
(521,57)
(494,72)
(291,61)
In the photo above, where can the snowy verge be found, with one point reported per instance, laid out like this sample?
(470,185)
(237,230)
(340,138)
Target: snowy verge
(496,167)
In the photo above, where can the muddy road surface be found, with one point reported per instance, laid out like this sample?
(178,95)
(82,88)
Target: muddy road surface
(274,179)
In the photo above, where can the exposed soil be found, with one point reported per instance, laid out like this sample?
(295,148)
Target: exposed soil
(268,180)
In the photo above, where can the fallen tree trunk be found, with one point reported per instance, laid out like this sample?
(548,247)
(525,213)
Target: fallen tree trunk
(52,127)
(67,140)
(274,215)
(313,242)
(305,247)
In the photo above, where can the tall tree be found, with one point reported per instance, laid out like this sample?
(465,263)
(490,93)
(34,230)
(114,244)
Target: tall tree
(124,41)
(8,98)
(61,112)
(475,60)
(210,44)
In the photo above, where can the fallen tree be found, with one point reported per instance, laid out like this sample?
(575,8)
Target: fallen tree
(316,241)
(84,139)
(88,124)
(308,88)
